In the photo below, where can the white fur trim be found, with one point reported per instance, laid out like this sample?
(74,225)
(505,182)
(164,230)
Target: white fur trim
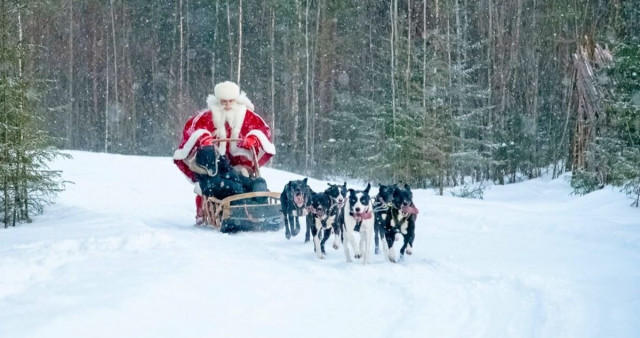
(268,147)
(182,153)
(244,100)
(212,101)
(196,189)
(226,91)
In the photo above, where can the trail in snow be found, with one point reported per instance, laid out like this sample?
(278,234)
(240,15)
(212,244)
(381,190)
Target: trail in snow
(118,255)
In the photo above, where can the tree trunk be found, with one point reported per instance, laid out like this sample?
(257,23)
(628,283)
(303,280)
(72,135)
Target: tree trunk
(408,69)
(295,98)
(272,42)
(21,190)
(115,55)
(70,118)
(313,84)
(181,58)
(214,47)
(306,89)
(459,42)
(106,101)
(424,55)
(230,38)
(239,41)
(393,62)
(187,83)
(489,75)
(94,73)
(536,72)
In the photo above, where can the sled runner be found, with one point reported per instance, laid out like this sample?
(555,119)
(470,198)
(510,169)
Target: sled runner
(251,211)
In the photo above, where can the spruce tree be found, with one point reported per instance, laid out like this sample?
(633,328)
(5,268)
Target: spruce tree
(623,114)
(27,184)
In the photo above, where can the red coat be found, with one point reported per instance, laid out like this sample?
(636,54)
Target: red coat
(238,124)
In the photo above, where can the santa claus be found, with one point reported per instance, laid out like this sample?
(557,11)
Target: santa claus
(229,116)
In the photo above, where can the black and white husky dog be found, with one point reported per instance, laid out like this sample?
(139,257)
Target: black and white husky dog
(321,220)
(381,204)
(400,224)
(338,194)
(358,217)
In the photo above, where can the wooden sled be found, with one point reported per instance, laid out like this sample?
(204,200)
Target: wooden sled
(252,211)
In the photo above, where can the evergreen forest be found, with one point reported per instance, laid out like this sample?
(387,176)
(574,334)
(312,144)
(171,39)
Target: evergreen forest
(434,93)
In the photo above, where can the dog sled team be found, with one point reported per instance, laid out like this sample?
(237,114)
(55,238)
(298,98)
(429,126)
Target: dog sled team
(388,218)
(222,149)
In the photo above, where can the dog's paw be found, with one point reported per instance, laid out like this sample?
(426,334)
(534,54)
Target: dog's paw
(409,251)
(336,246)
(357,256)
(376,251)
(401,259)
(288,235)
(392,256)
(322,257)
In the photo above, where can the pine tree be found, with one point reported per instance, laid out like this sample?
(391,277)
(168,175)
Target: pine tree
(623,115)
(27,184)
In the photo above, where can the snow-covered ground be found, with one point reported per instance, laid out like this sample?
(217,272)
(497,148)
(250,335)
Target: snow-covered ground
(118,256)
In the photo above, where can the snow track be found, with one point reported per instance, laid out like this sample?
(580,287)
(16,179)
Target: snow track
(118,256)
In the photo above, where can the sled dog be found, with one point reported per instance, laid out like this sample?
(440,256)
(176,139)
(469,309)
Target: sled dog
(338,194)
(358,217)
(400,224)
(294,199)
(321,219)
(381,204)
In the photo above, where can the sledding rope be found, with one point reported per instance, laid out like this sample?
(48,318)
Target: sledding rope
(379,206)
(248,214)
(255,163)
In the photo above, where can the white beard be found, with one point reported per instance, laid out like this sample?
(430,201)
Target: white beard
(220,116)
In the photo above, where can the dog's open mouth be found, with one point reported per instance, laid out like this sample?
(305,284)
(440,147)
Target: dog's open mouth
(409,210)
(299,200)
(359,216)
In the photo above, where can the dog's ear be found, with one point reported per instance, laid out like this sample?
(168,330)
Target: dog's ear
(396,191)
(407,187)
(305,180)
(368,187)
(224,164)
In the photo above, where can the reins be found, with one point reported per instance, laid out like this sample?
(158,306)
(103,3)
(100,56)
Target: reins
(380,205)
(217,155)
